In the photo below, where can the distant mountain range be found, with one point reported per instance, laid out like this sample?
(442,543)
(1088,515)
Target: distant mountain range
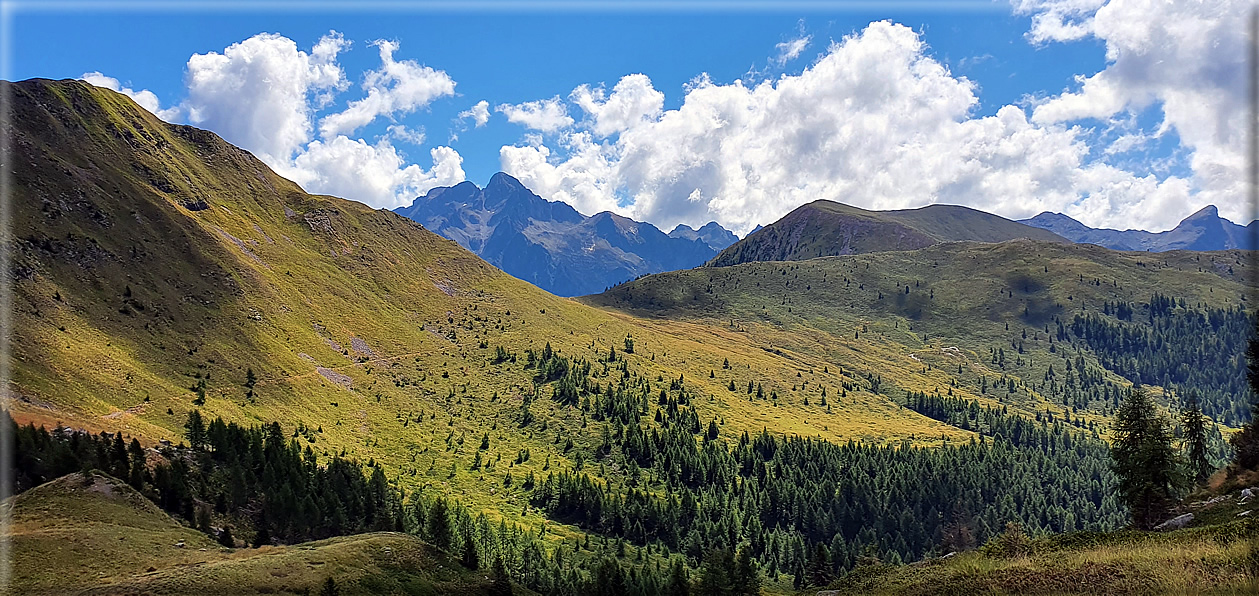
(826,228)
(551,245)
(710,233)
(1204,230)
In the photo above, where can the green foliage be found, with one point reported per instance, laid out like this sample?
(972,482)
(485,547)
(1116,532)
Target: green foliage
(194,430)
(255,471)
(1195,440)
(1174,343)
(1147,466)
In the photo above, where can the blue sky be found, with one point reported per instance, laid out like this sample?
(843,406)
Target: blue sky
(1129,165)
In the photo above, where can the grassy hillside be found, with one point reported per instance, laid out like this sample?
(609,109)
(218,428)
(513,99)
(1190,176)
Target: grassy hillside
(99,536)
(826,228)
(959,318)
(1222,559)
(157,265)
(160,270)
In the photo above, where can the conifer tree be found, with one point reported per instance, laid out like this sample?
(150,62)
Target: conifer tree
(716,575)
(500,585)
(747,576)
(1194,424)
(225,537)
(679,583)
(1143,459)
(194,430)
(1246,442)
(438,531)
(818,572)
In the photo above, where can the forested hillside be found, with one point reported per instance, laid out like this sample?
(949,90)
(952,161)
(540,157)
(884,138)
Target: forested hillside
(1030,325)
(321,369)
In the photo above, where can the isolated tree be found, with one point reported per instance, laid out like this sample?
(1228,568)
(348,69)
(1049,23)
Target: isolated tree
(1143,459)
(194,430)
(329,588)
(1195,427)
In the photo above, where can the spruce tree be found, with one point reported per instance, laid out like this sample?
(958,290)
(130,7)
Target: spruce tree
(679,584)
(262,535)
(225,537)
(438,531)
(1143,459)
(747,577)
(818,572)
(1194,424)
(470,558)
(139,465)
(716,576)
(500,584)
(194,430)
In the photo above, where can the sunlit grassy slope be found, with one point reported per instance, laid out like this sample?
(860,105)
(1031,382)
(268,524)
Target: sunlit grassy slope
(98,536)
(932,319)
(1217,559)
(151,258)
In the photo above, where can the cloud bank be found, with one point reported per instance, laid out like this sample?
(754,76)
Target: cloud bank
(875,122)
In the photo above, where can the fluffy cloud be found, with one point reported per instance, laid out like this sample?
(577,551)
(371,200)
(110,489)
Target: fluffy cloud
(479,113)
(546,115)
(633,101)
(874,122)
(394,88)
(263,94)
(147,99)
(258,93)
(1058,20)
(374,174)
(1185,59)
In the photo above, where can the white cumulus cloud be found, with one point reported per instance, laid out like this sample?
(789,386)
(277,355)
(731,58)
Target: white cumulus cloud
(395,88)
(479,113)
(258,93)
(374,174)
(263,93)
(546,115)
(632,101)
(874,122)
(145,98)
(1184,59)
